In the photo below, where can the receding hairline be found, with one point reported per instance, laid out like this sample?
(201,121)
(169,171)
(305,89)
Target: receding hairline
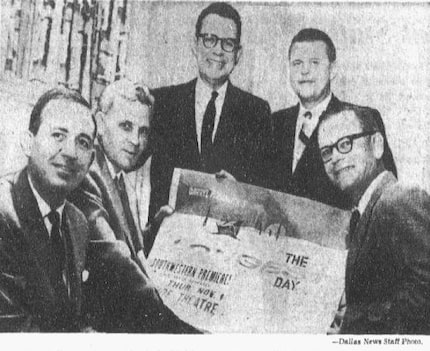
(63,99)
(310,41)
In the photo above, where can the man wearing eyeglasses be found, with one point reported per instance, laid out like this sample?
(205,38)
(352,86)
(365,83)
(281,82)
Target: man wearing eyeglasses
(208,124)
(297,168)
(387,284)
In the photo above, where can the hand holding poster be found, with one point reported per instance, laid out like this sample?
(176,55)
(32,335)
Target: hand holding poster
(238,258)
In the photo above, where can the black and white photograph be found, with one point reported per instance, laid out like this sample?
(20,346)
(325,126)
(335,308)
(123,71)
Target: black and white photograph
(187,175)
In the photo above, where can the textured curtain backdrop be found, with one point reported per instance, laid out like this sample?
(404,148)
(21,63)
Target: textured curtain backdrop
(383,60)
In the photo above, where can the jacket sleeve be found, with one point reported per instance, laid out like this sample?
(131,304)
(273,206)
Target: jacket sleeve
(127,300)
(403,307)
(14,317)
(409,211)
(260,143)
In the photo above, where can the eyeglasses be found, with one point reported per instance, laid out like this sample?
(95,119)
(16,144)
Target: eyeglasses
(343,145)
(211,40)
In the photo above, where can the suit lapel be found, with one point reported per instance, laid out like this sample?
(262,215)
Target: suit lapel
(32,222)
(362,234)
(289,129)
(187,122)
(227,117)
(310,154)
(114,199)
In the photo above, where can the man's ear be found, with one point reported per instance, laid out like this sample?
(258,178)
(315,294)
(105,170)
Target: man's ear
(378,145)
(238,55)
(333,70)
(99,117)
(26,142)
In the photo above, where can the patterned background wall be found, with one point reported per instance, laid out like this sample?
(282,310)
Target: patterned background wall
(383,55)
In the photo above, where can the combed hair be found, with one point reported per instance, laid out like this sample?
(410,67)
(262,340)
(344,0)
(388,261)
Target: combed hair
(127,90)
(312,34)
(50,95)
(221,9)
(364,115)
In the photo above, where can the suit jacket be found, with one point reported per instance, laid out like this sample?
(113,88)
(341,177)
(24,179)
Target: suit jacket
(28,298)
(116,297)
(387,281)
(98,196)
(240,145)
(309,178)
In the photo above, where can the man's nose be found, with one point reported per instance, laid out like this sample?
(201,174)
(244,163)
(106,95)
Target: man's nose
(305,68)
(336,155)
(69,148)
(217,49)
(133,137)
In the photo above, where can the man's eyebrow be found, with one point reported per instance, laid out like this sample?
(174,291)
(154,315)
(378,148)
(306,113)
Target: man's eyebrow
(61,129)
(85,135)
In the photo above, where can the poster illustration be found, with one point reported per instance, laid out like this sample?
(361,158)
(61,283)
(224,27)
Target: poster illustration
(243,259)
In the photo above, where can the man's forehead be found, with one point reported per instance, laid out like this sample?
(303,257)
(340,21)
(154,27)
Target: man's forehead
(221,26)
(315,47)
(339,125)
(133,110)
(67,113)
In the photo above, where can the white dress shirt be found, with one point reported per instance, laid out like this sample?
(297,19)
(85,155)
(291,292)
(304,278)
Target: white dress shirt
(365,198)
(203,96)
(311,124)
(138,187)
(45,209)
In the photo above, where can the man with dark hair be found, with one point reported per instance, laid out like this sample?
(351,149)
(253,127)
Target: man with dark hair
(53,278)
(297,167)
(387,284)
(208,124)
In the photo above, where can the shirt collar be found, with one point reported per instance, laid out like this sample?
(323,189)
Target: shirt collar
(131,175)
(318,110)
(44,208)
(365,198)
(204,93)
(111,169)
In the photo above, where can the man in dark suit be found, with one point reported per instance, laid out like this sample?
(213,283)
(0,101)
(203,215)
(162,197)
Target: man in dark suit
(208,124)
(387,284)
(52,277)
(297,167)
(116,189)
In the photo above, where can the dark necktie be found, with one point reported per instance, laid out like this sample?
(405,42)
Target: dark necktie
(305,134)
(353,222)
(137,242)
(208,128)
(58,255)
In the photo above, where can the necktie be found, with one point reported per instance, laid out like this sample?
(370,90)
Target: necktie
(58,255)
(208,128)
(305,132)
(353,222)
(136,241)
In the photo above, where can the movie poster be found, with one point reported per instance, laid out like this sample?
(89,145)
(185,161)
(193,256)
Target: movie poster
(242,259)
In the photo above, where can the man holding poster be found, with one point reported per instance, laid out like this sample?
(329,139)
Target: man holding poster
(233,251)
(387,283)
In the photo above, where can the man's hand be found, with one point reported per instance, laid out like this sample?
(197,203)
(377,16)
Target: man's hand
(162,213)
(224,175)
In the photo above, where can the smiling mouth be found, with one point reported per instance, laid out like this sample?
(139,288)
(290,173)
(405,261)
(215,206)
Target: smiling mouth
(343,170)
(215,62)
(64,169)
(131,153)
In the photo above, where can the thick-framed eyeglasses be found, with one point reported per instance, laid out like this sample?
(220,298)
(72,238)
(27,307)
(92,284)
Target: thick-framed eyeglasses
(343,145)
(211,40)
